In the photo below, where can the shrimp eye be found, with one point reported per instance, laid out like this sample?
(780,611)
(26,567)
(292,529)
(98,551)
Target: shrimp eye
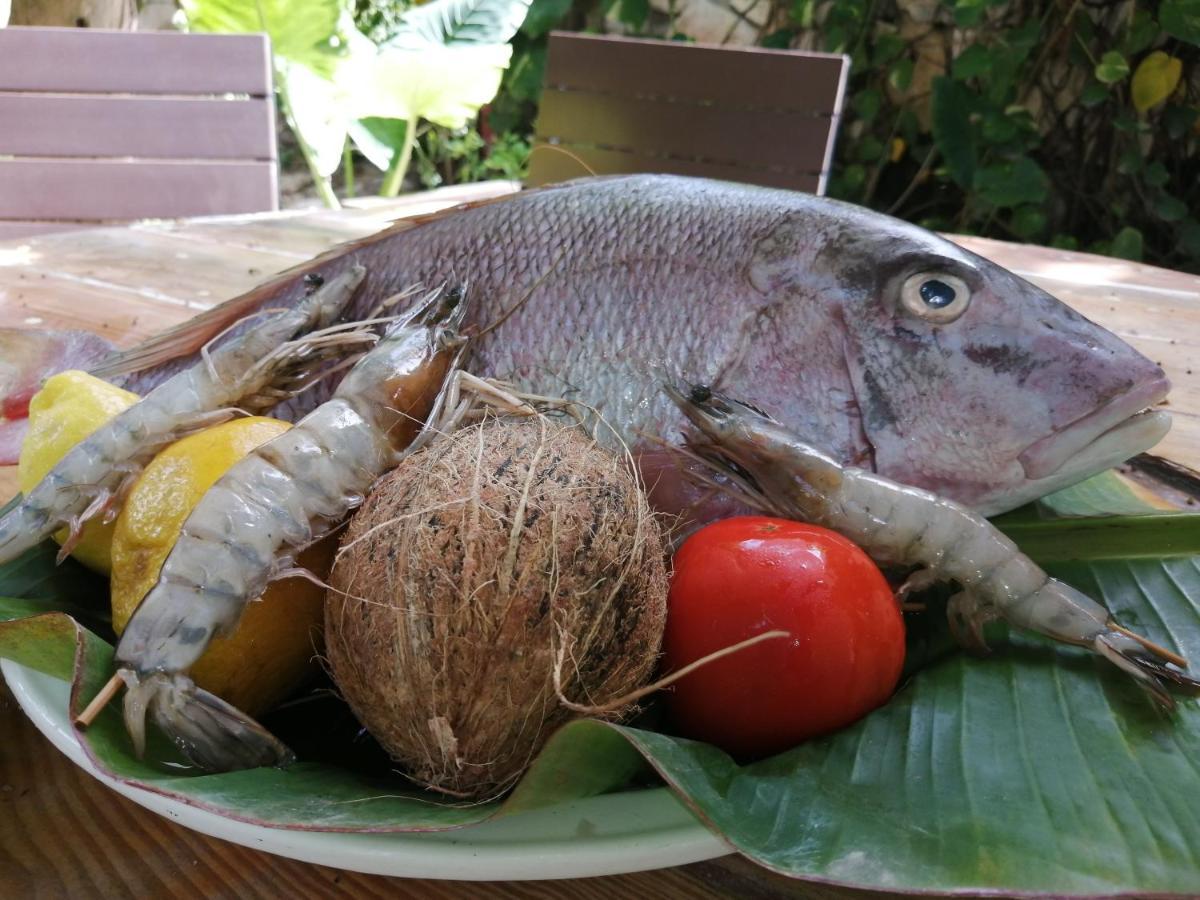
(701,393)
(937,297)
(453,296)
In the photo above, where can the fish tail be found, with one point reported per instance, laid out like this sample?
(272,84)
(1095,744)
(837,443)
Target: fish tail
(211,734)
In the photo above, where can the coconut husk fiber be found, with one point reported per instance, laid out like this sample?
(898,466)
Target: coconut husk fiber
(470,571)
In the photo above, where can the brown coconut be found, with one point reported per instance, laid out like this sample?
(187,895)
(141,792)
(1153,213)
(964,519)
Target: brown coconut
(481,564)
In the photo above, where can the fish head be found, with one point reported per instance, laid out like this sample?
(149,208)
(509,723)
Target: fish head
(977,384)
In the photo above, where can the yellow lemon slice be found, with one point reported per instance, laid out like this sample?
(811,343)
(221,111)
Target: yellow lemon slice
(69,407)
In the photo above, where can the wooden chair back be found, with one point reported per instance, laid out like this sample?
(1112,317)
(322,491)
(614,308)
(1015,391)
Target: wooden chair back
(100,126)
(751,115)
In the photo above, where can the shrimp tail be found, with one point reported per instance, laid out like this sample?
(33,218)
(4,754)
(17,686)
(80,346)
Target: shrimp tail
(210,733)
(1153,673)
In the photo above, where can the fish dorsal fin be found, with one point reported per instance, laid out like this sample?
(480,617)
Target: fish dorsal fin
(188,337)
(181,340)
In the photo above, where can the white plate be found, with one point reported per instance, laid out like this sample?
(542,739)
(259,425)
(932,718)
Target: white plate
(607,835)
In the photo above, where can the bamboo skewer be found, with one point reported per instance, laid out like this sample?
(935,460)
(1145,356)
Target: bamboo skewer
(111,688)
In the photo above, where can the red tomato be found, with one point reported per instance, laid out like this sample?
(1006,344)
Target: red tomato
(744,576)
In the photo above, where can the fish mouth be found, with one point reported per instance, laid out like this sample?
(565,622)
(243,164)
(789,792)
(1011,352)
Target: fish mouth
(1123,422)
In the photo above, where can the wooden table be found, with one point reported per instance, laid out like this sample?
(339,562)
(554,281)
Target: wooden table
(63,834)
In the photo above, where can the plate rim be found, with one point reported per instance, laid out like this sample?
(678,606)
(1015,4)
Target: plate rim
(572,845)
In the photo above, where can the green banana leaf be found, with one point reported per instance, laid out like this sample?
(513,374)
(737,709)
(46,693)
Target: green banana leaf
(1037,769)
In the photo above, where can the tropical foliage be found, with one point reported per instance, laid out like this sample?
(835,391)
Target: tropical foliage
(439,63)
(1065,123)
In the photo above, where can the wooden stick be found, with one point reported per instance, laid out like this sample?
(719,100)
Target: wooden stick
(101,700)
(1151,646)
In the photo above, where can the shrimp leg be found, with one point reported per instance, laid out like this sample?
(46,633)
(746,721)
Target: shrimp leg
(247,529)
(905,526)
(250,372)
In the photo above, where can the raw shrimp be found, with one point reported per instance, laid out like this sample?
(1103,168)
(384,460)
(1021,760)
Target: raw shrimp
(252,371)
(247,528)
(906,526)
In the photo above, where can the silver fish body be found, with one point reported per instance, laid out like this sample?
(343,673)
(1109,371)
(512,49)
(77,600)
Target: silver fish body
(804,303)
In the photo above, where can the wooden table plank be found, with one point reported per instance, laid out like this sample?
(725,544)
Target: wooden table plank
(191,276)
(125,317)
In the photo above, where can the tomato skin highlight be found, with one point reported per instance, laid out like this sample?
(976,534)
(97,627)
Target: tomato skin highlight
(740,577)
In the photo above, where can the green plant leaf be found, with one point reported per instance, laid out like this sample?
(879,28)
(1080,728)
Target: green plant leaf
(633,13)
(445,85)
(888,48)
(974,61)
(1181,19)
(1156,174)
(1180,119)
(1189,238)
(901,74)
(1093,95)
(1029,222)
(968,13)
(543,16)
(1012,183)
(1127,244)
(1170,209)
(316,111)
(1106,494)
(952,129)
(1140,34)
(378,139)
(1112,68)
(866,103)
(300,30)
(444,23)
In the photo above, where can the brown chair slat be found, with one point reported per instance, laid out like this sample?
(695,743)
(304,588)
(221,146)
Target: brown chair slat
(90,60)
(152,127)
(552,165)
(624,105)
(120,189)
(743,76)
(726,135)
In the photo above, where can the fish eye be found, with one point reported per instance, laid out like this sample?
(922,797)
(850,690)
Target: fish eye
(937,297)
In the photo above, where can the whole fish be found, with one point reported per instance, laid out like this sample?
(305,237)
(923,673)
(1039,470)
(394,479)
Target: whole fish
(886,346)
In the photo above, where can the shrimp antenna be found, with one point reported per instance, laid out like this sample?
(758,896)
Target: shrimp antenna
(558,148)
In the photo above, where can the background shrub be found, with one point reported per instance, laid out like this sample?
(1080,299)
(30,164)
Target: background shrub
(1074,123)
